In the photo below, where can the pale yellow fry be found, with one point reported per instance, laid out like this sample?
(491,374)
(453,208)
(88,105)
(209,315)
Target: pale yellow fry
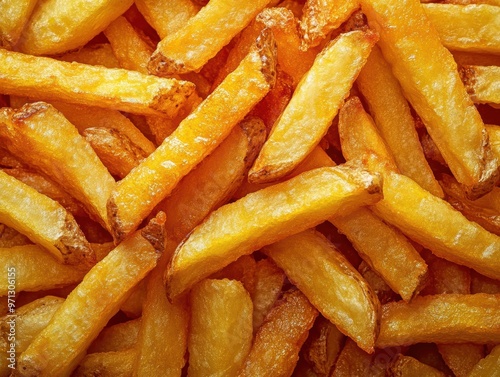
(410,367)
(391,113)
(60,346)
(99,54)
(474,28)
(60,25)
(330,283)
(219,307)
(203,35)
(266,216)
(44,221)
(167,22)
(15,14)
(197,136)
(119,89)
(482,83)
(430,81)
(107,364)
(446,318)
(489,366)
(41,137)
(307,117)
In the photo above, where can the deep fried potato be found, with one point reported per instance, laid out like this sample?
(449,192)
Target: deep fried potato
(275,350)
(107,364)
(243,269)
(119,337)
(310,254)
(43,221)
(409,367)
(471,58)
(15,15)
(353,361)
(81,21)
(461,358)
(99,54)
(9,237)
(266,216)
(489,366)
(482,83)
(430,81)
(202,36)
(446,318)
(197,136)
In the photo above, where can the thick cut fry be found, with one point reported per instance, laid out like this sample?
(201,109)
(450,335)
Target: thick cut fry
(99,54)
(446,277)
(202,36)
(394,121)
(221,328)
(482,83)
(446,318)
(266,216)
(430,81)
(409,367)
(275,350)
(107,364)
(474,28)
(41,137)
(214,180)
(323,274)
(117,89)
(489,366)
(119,337)
(43,221)
(79,20)
(320,17)
(384,293)
(354,362)
(306,118)
(243,269)
(461,358)
(60,346)
(15,14)
(197,136)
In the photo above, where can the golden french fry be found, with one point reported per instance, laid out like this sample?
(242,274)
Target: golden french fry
(119,337)
(489,366)
(40,136)
(99,54)
(309,254)
(61,345)
(202,36)
(43,221)
(306,118)
(197,136)
(461,358)
(107,364)
(426,71)
(410,367)
(266,216)
(219,307)
(474,27)
(9,237)
(471,58)
(118,89)
(275,350)
(353,361)
(446,277)
(446,318)
(80,20)
(383,291)
(15,15)
(482,83)
(132,307)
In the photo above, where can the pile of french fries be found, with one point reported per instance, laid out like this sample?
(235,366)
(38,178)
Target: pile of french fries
(250,188)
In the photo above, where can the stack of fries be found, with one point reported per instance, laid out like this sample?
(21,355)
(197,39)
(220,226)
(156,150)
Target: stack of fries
(249,188)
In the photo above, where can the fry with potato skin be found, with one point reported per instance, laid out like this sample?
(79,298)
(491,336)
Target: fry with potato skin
(15,15)
(267,216)
(323,274)
(430,81)
(196,137)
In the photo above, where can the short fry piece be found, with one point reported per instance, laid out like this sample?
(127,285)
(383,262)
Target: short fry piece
(118,89)
(197,135)
(489,366)
(306,118)
(482,83)
(203,36)
(266,216)
(446,318)
(275,350)
(219,307)
(323,274)
(43,221)
(107,364)
(59,347)
(15,15)
(409,367)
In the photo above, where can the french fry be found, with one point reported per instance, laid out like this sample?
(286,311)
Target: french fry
(446,277)
(309,254)
(9,237)
(483,284)
(214,180)
(446,318)
(392,116)
(410,367)
(426,70)
(266,216)
(119,337)
(353,361)
(132,307)
(107,364)
(275,350)
(197,136)
(80,20)
(66,158)
(219,307)
(16,14)
(61,345)
(43,221)
(306,119)
(243,269)
(470,58)
(319,18)
(489,366)
(461,358)
(482,83)
(213,27)
(99,54)
(384,293)
(30,320)
(459,29)
(467,2)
